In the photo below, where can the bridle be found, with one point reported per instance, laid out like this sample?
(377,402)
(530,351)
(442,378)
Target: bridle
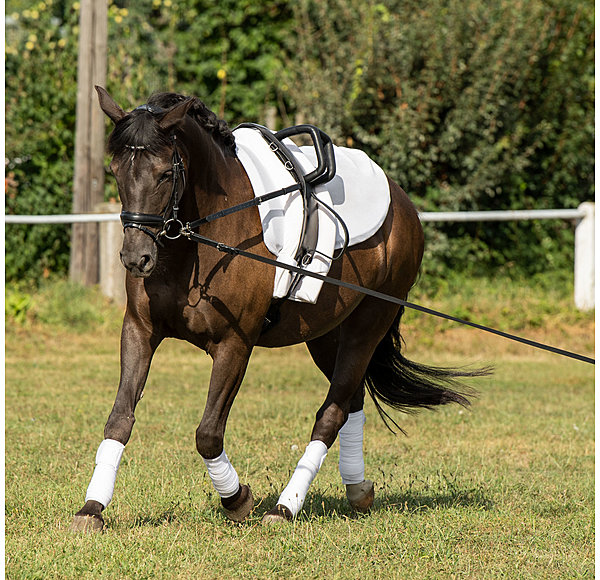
(168,223)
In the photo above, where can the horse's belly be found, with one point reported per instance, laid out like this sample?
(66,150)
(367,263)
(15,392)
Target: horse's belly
(299,322)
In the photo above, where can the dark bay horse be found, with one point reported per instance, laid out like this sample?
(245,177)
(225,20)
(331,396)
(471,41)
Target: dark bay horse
(172,158)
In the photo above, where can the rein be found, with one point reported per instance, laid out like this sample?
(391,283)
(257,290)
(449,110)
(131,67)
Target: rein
(234,251)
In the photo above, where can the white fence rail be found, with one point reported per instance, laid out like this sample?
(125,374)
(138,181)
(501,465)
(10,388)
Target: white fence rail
(111,273)
(68,218)
(584,271)
(503,216)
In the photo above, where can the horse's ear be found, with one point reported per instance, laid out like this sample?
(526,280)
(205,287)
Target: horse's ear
(108,105)
(176,114)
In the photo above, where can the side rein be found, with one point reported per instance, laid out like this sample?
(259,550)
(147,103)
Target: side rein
(170,227)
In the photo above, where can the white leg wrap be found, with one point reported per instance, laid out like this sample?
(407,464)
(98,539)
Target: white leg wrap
(102,486)
(352,463)
(223,475)
(294,494)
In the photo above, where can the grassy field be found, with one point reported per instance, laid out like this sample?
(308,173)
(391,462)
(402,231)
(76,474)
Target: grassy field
(505,489)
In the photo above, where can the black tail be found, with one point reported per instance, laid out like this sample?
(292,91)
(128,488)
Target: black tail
(408,386)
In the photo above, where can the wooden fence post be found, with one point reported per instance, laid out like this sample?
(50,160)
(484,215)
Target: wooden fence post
(88,186)
(112,272)
(584,258)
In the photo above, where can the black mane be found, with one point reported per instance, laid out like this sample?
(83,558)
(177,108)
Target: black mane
(140,128)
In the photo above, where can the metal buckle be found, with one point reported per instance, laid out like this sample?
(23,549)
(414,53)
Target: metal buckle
(307,258)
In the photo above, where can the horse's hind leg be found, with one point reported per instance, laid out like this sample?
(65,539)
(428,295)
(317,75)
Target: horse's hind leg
(359,491)
(137,349)
(358,337)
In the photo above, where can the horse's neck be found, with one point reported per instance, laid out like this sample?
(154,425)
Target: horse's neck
(217,180)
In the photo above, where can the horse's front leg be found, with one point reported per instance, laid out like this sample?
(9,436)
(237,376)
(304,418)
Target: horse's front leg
(138,345)
(229,365)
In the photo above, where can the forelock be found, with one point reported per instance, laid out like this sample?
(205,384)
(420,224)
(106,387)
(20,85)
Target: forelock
(138,130)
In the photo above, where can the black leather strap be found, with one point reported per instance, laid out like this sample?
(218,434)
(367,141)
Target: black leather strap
(144,219)
(238,251)
(310,226)
(245,205)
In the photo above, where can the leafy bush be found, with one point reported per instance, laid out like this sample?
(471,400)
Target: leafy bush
(16,305)
(468,105)
(41,60)
(226,53)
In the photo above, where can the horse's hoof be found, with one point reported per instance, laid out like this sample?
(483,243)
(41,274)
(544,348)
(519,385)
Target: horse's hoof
(279,514)
(87,524)
(361,495)
(239,509)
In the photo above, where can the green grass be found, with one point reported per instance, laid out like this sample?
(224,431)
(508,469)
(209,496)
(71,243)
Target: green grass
(505,489)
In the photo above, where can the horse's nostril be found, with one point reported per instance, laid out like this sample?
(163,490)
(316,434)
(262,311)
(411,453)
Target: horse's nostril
(138,265)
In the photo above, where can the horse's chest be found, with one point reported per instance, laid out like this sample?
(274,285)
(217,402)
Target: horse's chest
(195,321)
(202,317)
(185,315)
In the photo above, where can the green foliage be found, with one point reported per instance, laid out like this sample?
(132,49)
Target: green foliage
(16,305)
(40,118)
(70,305)
(226,53)
(522,303)
(59,304)
(468,105)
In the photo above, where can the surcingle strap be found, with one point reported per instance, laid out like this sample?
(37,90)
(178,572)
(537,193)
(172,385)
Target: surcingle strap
(310,224)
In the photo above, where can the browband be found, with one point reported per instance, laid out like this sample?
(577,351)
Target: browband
(150,108)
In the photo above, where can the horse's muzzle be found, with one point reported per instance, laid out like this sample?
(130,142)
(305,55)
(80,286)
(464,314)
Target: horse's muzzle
(139,266)
(139,253)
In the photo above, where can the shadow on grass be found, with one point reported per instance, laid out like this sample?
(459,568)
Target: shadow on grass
(331,504)
(409,502)
(156,519)
(324,505)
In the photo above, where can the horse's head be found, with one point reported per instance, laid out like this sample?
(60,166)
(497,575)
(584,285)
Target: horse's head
(150,174)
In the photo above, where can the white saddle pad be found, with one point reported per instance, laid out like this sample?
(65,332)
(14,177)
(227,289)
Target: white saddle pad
(359,193)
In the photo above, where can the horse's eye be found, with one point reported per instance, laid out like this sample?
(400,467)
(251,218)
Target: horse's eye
(165,176)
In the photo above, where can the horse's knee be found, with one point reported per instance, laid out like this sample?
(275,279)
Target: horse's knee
(208,443)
